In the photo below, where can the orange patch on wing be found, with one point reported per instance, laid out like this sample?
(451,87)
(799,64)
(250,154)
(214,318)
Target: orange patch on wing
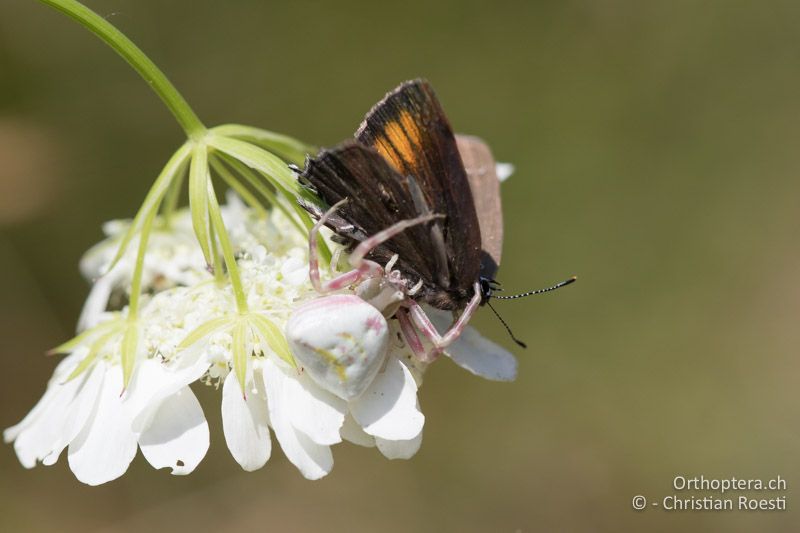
(399,141)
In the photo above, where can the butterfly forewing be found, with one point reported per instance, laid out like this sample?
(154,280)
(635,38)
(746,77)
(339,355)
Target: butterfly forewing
(377,197)
(410,130)
(405,163)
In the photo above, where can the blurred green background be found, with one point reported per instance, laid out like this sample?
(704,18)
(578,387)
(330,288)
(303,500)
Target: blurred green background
(657,159)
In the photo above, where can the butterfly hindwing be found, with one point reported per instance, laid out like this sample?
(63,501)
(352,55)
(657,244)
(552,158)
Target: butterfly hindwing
(481,171)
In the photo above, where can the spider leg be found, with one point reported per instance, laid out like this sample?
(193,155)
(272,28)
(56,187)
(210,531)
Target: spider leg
(411,337)
(362,268)
(425,325)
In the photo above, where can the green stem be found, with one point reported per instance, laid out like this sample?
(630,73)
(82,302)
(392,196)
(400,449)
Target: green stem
(231,181)
(172,196)
(137,59)
(262,188)
(219,275)
(227,251)
(138,269)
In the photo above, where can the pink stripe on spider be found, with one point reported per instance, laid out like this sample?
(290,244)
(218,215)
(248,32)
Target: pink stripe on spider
(334,301)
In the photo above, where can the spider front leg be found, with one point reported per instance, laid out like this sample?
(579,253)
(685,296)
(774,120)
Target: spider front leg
(362,268)
(425,325)
(411,337)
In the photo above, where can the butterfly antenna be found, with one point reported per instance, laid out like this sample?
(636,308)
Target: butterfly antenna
(538,291)
(508,329)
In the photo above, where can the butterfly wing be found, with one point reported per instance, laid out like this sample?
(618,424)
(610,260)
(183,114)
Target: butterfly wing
(410,130)
(377,197)
(485,186)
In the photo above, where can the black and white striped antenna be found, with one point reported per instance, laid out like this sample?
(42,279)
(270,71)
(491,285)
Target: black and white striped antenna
(494,287)
(537,291)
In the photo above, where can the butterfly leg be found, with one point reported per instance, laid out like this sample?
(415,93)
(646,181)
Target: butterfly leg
(338,282)
(425,325)
(362,268)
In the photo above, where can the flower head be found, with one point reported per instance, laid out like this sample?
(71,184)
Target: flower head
(228,297)
(189,330)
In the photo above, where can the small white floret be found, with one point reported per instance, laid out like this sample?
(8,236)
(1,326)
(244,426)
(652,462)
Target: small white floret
(504,171)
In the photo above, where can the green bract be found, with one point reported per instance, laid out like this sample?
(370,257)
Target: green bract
(262,178)
(244,328)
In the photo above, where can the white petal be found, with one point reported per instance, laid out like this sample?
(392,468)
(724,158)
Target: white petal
(244,421)
(96,260)
(482,357)
(313,460)
(54,385)
(234,211)
(64,415)
(97,301)
(78,413)
(388,408)
(294,271)
(153,382)
(316,412)
(107,445)
(35,437)
(475,353)
(352,432)
(504,171)
(177,437)
(10,434)
(399,449)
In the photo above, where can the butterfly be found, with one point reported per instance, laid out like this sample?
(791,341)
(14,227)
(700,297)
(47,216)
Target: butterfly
(405,163)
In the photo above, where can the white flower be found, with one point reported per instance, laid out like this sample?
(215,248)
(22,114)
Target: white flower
(103,427)
(173,258)
(191,330)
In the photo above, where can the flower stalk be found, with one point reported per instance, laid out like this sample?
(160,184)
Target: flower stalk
(227,251)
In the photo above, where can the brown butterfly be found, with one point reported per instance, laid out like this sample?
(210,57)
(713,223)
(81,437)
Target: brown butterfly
(406,164)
